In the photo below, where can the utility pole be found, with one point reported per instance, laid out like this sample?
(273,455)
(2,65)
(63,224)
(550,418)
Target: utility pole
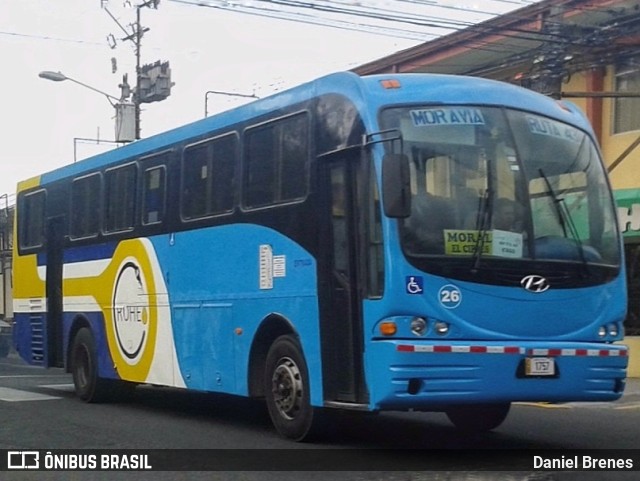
(139,32)
(153,81)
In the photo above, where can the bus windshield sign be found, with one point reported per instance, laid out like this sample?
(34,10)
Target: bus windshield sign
(488,182)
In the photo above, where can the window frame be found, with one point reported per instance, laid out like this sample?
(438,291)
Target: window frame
(106,199)
(627,107)
(25,220)
(210,162)
(144,211)
(278,163)
(97,196)
(160,160)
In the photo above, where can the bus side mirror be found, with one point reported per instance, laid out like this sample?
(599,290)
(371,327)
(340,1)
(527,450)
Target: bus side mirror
(396,187)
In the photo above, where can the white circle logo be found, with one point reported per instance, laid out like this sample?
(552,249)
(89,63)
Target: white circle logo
(131,312)
(450,296)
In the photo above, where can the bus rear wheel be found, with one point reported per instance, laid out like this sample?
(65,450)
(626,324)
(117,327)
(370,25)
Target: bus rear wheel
(478,418)
(286,384)
(84,366)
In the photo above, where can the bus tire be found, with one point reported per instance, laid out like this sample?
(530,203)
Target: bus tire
(287,389)
(478,418)
(84,367)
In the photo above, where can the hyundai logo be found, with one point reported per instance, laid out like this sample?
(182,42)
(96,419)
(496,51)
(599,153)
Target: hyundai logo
(534,283)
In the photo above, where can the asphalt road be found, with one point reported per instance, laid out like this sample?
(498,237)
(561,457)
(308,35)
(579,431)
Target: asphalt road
(38,410)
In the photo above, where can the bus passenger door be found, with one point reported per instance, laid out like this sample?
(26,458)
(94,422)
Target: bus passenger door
(53,326)
(341,321)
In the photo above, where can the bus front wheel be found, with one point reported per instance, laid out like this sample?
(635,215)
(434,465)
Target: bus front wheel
(478,418)
(84,367)
(287,389)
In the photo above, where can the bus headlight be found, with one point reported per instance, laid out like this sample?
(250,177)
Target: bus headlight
(418,326)
(441,328)
(613,330)
(602,331)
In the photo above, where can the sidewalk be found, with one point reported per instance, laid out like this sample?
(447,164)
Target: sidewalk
(632,390)
(630,400)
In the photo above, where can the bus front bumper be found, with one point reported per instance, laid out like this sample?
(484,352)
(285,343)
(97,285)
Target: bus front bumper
(427,375)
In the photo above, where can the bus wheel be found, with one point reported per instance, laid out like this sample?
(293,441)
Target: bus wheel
(84,367)
(287,389)
(478,418)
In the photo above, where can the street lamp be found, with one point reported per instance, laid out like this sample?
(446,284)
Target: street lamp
(59,77)
(126,130)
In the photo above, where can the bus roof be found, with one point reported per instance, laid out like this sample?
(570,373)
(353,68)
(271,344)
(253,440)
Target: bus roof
(368,93)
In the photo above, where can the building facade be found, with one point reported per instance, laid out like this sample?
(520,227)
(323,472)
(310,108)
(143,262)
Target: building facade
(6,243)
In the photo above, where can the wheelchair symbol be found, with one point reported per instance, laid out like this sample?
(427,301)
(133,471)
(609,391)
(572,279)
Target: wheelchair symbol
(414,285)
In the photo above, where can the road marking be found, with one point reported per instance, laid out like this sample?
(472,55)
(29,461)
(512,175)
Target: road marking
(634,405)
(544,405)
(59,387)
(582,405)
(15,395)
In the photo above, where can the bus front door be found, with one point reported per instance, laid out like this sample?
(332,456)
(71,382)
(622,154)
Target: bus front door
(341,318)
(53,326)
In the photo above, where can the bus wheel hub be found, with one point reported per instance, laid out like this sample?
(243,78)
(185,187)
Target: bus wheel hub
(287,388)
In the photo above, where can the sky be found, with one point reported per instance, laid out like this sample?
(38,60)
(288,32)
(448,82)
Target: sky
(46,123)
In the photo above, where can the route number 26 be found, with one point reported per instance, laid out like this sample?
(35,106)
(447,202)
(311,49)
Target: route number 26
(450,296)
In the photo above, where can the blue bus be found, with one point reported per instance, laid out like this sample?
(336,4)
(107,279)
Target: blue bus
(397,242)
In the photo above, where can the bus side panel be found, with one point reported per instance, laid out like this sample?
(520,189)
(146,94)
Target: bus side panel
(119,291)
(223,282)
(133,294)
(205,344)
(29,307)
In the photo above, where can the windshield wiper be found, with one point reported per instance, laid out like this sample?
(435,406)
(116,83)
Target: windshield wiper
(483,221)
(565,219)
(556,202)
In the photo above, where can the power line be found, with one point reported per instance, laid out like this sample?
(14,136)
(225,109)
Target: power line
(310,19)
(349,10)
(385,15)
(342,14)
(49,38)
(381,15)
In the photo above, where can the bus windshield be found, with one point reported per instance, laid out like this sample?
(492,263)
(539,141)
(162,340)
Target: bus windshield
(497,184)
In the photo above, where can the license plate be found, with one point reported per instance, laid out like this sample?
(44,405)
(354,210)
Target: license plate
(540,366)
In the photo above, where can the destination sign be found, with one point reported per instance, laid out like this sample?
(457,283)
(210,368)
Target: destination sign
(446,116)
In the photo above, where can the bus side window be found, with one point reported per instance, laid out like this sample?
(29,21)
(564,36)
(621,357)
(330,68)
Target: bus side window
(195,174)
(259,178)
(31,220)
(154,189)
(276,163)
(120,198)
(85,206)
(208,173)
